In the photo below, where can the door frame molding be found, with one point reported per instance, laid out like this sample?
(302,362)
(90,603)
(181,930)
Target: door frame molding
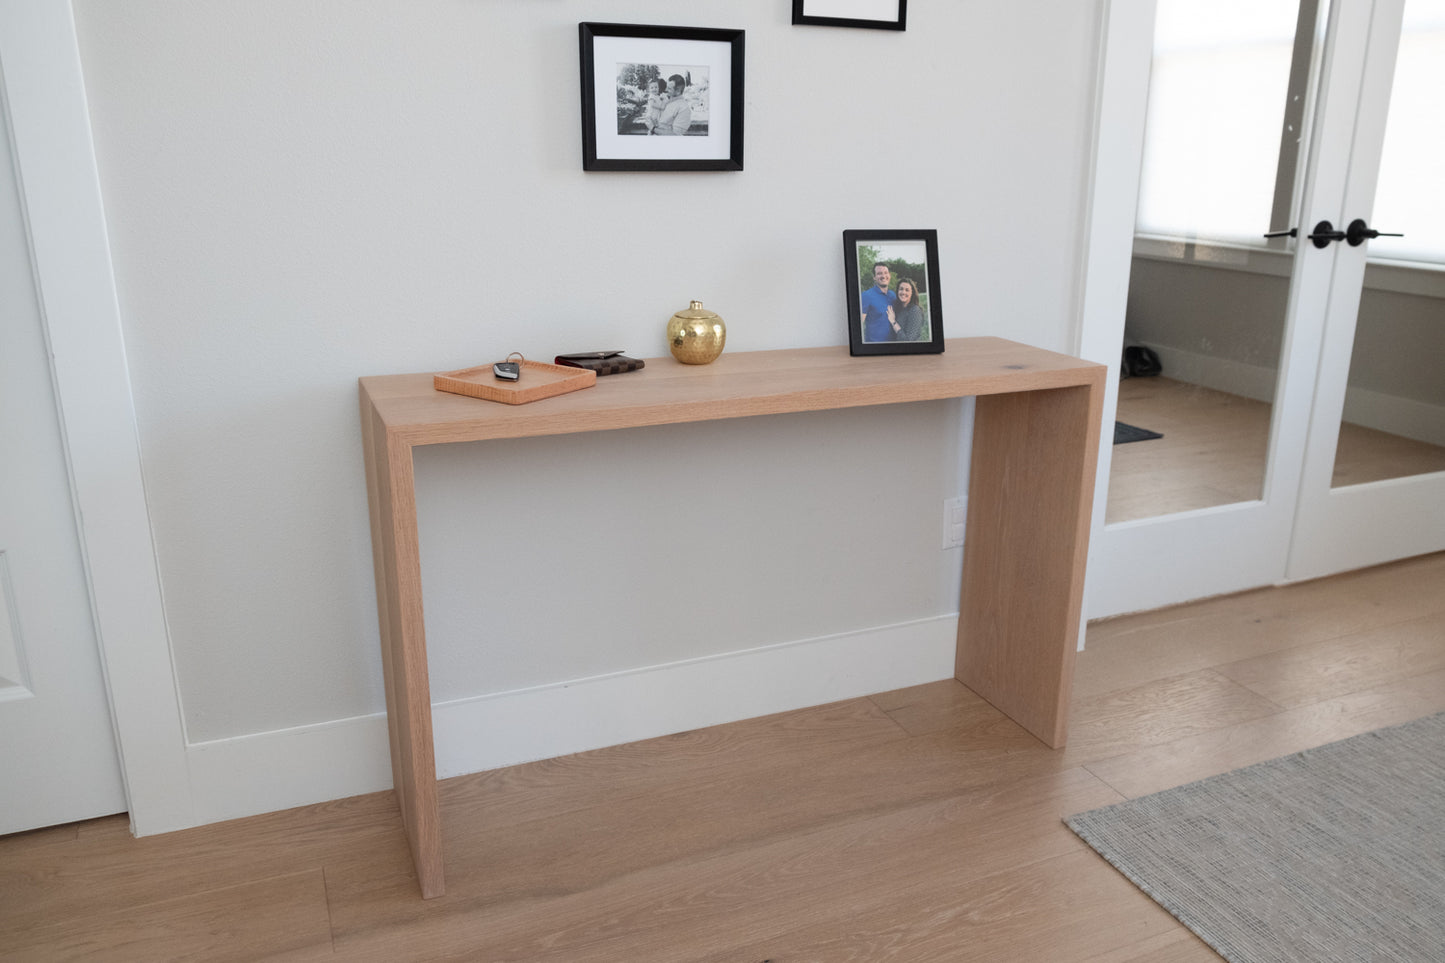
(41,80)
(1121,99)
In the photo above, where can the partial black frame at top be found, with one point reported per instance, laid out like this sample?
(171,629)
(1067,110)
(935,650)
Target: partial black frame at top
(852,284)
(587,32)
(900,24)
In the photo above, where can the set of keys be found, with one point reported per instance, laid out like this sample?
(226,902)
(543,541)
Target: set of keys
(509,370)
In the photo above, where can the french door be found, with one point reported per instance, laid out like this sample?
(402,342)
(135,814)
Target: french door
(1254,503)
(1382,497)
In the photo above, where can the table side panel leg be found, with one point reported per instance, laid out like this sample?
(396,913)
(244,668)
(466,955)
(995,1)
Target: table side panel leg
(377,490)
(1029,506)
(396,553)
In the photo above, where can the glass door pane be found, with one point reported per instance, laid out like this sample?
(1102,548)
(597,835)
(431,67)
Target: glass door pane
(1394,415)
(1230,97)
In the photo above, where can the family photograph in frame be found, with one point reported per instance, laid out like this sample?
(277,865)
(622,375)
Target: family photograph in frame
(894,304)
(659,98)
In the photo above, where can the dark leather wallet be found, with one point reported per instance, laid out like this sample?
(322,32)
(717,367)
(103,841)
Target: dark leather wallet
(602,362)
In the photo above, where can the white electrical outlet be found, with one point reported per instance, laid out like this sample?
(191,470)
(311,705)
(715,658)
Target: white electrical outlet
(955,518)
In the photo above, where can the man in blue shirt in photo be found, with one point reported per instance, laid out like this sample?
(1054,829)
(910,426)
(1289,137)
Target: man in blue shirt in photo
(878,302)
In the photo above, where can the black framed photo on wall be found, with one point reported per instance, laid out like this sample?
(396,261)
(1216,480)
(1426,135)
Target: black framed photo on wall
(878,14)
(894,304)
(659,98)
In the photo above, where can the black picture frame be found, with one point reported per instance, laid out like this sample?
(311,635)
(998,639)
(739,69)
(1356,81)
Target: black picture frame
(624,129)
(906,254)
(829,13)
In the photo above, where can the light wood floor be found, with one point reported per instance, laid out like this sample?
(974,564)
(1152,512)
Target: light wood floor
(1214,446)
(916,825)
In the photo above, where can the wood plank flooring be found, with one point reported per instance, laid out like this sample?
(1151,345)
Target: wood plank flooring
(1214,448)
(915,825)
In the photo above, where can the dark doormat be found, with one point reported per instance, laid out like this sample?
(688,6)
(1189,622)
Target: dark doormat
(1123,434)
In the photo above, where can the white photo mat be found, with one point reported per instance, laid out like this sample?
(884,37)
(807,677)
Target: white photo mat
(609,52)
(852,9)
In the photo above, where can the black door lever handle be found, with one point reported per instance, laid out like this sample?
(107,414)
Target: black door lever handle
(1358,231)
(1324,233)
(1292,232)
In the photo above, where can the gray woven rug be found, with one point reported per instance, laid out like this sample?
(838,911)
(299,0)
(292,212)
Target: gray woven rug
(1334,854)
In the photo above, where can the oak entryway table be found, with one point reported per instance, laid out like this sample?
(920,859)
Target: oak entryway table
(1030,494)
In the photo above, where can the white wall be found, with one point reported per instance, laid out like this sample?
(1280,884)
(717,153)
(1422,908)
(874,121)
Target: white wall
(300,194)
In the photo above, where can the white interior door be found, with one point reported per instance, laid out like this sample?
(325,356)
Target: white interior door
(1241,540)
(42,87)
(1288,524)
(1374,480)
(57,746)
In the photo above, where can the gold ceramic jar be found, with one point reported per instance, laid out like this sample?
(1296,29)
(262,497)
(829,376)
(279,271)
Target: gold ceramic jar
(696,335)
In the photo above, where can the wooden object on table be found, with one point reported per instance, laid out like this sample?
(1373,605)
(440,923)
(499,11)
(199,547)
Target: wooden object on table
(1036,440)
(539,380)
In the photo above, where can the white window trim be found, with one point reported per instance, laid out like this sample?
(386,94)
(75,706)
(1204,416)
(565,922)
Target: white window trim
(1419,278)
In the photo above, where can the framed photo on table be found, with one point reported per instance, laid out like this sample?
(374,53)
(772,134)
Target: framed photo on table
(894,303)
(658,98)
(878,14)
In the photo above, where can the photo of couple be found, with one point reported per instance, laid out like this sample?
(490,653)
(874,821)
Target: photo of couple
(664,100)
(893,281)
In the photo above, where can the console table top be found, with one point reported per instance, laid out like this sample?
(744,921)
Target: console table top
(738,384)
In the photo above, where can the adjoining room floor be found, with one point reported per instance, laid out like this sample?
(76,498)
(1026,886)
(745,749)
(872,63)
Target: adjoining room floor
(1214,447)
(914,825)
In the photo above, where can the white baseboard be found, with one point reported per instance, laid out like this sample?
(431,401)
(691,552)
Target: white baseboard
(1405,417)
(1221,374)
(1419,420)
(248,775)
(267,771)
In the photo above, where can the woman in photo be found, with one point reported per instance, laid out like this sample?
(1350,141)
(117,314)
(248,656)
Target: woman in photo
(908,316)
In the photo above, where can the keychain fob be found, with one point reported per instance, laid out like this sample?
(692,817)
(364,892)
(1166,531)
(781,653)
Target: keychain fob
(507,370)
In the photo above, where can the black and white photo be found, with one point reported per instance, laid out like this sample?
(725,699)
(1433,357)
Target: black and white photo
(658,98)
(662,100)
(894,305)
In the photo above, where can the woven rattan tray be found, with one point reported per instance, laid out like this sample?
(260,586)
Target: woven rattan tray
(539,380)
